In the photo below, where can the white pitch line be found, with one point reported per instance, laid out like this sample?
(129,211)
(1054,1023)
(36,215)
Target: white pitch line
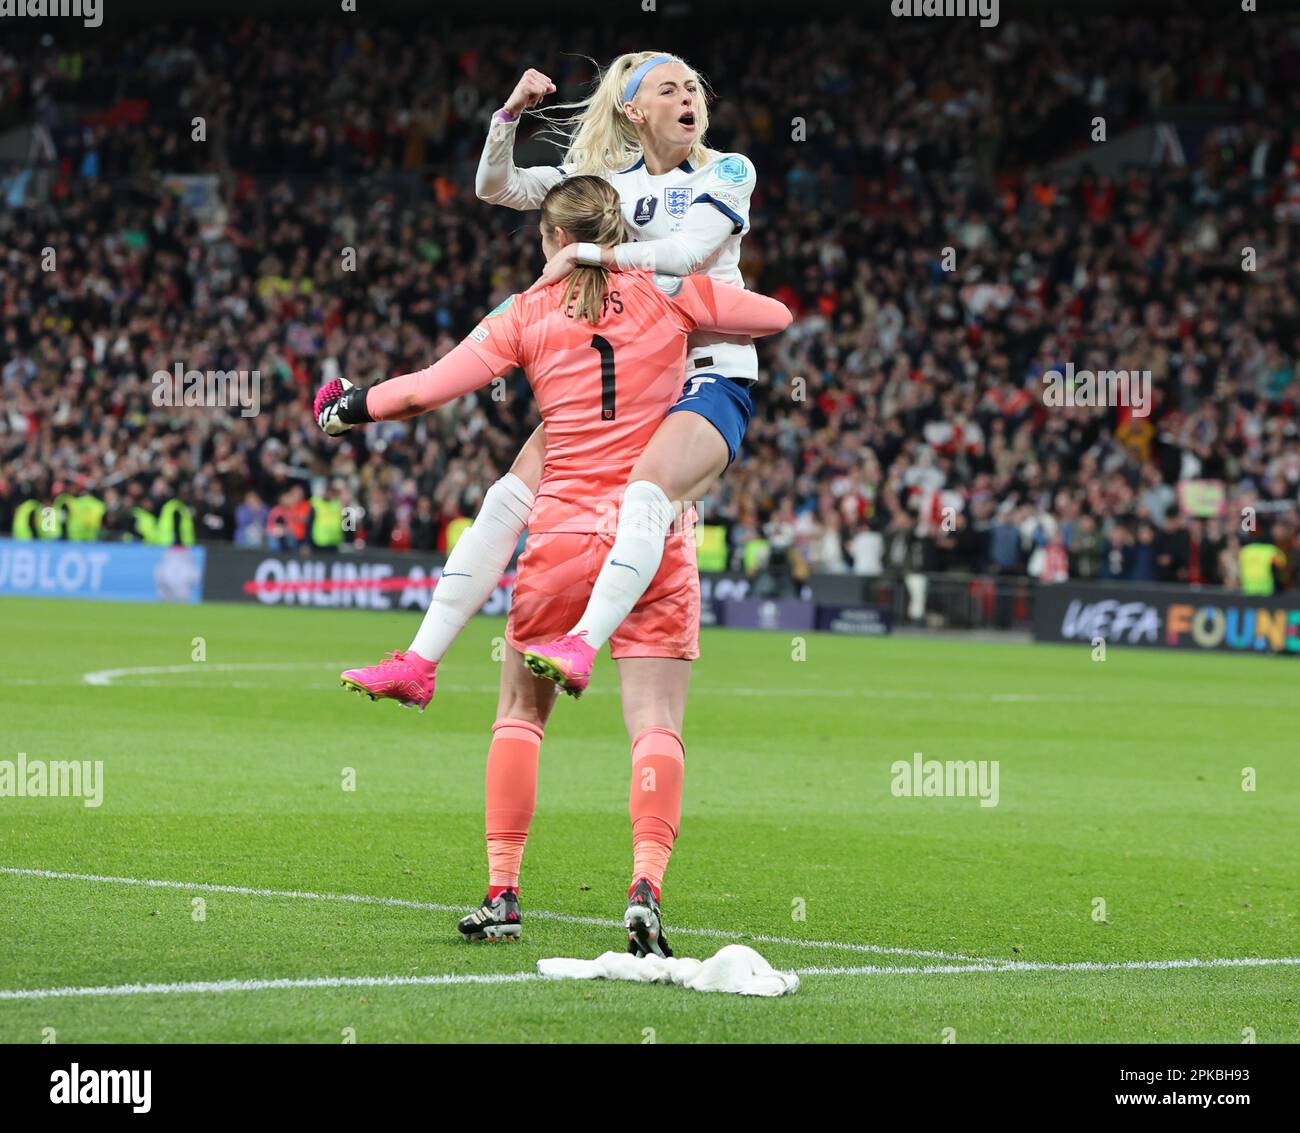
(429,906)
(106,678)
(1047,966)
(210,987)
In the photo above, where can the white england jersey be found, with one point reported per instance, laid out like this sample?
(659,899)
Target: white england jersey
(654,207)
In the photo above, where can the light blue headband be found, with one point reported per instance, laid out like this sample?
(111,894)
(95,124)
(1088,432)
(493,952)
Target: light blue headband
(629,92)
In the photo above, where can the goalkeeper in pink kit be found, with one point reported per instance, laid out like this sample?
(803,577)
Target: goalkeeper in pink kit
(604,354)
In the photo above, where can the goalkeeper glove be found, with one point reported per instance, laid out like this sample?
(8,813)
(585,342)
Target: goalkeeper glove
(339,405)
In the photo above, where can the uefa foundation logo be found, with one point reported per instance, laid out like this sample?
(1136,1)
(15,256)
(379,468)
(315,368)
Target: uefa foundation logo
(220,389)
(89,12)
(1098,389)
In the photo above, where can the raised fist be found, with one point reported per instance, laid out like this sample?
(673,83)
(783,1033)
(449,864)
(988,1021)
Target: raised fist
(529,91)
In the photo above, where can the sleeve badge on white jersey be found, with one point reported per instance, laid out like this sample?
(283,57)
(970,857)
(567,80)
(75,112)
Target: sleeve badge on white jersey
(732,169)
(668,284)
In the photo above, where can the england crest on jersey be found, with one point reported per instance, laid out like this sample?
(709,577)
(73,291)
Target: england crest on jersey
(677,201)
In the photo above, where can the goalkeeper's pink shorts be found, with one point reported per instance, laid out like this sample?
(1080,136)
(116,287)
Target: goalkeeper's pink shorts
(557,571)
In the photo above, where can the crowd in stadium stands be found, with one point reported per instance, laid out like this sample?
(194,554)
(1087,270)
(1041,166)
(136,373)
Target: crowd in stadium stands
(901,424)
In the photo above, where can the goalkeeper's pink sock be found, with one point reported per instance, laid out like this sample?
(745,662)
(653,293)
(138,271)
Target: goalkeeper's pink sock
(511,799)
(655,802)
(475,565)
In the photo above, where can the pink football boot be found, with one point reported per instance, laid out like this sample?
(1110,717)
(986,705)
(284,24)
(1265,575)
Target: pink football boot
(567,661)
(405,677)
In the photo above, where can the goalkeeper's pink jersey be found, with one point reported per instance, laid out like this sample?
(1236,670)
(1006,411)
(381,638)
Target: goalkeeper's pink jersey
(602,389)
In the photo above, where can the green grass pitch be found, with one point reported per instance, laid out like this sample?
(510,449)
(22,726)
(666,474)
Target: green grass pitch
(1120,779)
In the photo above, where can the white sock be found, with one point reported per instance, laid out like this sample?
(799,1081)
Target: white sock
(475,565)
(643,522)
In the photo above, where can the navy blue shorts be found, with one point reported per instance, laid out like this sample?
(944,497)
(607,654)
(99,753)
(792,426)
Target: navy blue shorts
(723,402)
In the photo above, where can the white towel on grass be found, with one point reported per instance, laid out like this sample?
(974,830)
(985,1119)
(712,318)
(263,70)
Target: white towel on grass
(735,968)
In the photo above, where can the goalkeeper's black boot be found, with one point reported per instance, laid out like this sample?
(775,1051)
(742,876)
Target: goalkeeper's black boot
(644,921)
(494,920)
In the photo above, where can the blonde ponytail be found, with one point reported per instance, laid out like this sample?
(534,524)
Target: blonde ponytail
(596,134)
(588,209)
